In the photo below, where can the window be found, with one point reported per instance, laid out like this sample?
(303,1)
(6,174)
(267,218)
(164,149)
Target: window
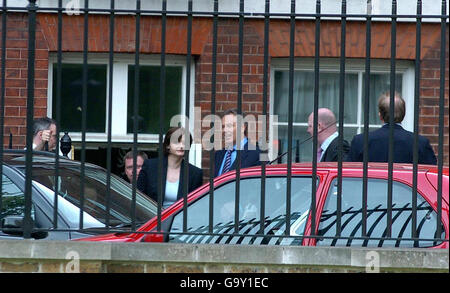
(95,201)
(122,95)
(249,213)
(149,95)
(122,101)
(72,97)
(303,99)
(351,220)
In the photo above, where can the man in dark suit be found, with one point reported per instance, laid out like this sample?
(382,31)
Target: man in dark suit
(403,139)
(327,136)
(225,160)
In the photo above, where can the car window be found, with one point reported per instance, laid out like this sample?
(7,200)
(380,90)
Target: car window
(69,210)
(351,221)
(95,201)
(13,200)
(249,213)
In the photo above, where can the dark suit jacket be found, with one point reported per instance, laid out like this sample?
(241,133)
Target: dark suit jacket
(331,154)
(148,178)
(249,158)
(403,147)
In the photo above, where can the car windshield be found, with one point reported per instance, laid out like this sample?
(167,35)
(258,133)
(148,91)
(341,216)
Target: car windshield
(95,200)
(69,210)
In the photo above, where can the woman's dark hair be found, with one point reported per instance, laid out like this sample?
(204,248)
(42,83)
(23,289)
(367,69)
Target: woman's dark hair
(179,132)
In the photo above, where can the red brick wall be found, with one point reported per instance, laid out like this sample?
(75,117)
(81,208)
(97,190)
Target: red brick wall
(330,39)
(227,58)
(16,77)
(125,33)
(227,72)
(429,96)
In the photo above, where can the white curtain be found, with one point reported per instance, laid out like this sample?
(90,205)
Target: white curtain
(379,83)
(303,103)
(304,95)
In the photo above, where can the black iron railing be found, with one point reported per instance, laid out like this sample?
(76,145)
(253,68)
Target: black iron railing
(238,227)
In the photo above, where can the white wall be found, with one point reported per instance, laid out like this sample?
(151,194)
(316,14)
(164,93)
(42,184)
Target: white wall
(379,7)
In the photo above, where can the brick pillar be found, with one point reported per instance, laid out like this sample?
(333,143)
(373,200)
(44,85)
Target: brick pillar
(429,96)
(16,78)
(227,73)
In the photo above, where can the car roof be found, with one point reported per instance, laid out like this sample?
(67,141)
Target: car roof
(333,166)
(17,158)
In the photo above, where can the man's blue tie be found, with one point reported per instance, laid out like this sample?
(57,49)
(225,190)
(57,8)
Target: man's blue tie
(227,165)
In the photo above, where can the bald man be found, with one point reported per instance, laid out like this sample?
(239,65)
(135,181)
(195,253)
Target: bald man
(327,136)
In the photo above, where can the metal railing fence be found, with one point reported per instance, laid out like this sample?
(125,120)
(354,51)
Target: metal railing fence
(237,227)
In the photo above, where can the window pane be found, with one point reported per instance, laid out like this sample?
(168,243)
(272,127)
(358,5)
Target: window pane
(304,95)
(13,200)
(351,220)
(72,97)
(249,213)
(95,197)
(300,137)
(149,94)
(379,83)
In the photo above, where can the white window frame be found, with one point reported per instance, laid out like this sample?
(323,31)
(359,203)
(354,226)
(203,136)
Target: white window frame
(120,90)
(406,68)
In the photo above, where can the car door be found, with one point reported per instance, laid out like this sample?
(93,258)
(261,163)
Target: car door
(224,228)
(351,216)
(13,205)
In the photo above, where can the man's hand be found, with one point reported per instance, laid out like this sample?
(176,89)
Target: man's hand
(45,137)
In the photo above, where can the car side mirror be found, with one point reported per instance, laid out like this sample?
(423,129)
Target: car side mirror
(13,225)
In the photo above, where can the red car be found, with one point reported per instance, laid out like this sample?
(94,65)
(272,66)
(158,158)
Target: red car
(249,225)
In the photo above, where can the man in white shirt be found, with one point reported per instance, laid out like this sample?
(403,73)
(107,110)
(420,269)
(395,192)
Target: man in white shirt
(327,136)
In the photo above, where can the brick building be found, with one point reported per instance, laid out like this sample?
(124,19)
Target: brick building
(200,87)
